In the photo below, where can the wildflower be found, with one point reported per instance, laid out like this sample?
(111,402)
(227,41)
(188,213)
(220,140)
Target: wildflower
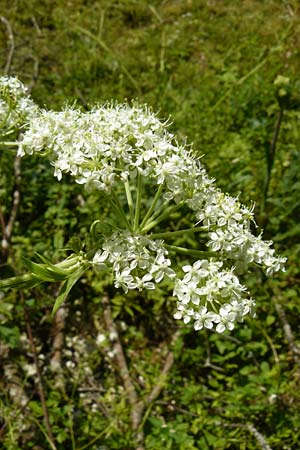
(122,150)
(16,107)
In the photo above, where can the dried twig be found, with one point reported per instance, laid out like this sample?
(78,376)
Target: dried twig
(294,349)
(8,228)
(263,445)
(3,228)
(208,362)
(160,382)
(137,405)
(35,72)
(39,381)
(11,44)
(36,26)
(16,197)
(120,358)
(58,343)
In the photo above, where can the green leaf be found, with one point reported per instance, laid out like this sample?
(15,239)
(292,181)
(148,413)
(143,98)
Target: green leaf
(10,335)
(65,289)
(28,280)
(54,267)
(45,272)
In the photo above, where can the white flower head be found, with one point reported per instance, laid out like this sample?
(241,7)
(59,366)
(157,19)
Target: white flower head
(117,146)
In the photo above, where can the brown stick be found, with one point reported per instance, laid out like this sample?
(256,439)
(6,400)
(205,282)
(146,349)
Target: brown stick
(294,349)
(137,406)
(2,224)
(58,339)
(120,357)
(16,197)
(38,377)
(8,229)
(259,437)
(160,383)
(11,43)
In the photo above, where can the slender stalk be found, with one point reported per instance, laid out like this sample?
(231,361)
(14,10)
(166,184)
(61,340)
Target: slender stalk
(10,144)
(33,419)
(165,214)
(129,201)
(189,251)
(173,234)
(95,439)
(162,208)
(138,203)
(152,207)
(2,223)
(5,118)
(114,201)
(11,43)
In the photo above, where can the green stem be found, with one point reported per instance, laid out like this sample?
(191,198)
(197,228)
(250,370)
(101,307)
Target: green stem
(152,207)
(171,234)
(138,203)
(15,144)
(189,251)
(166,213)
(119,210)
(129,201)
(52,445)
(88,445)
(2,123)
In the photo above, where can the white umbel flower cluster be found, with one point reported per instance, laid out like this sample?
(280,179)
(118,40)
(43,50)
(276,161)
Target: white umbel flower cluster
(16,107)
(137,261)
(110,144)
(228,226)
(120,145)
(211,296)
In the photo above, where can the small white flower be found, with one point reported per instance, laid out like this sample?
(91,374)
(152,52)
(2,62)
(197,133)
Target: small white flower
(204,318)
(100,339)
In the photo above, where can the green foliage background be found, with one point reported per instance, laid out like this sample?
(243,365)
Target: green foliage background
(211,66)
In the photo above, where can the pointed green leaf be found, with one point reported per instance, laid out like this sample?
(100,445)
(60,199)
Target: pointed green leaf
(65,289)
(53,267)
(43,272)
(28,280)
